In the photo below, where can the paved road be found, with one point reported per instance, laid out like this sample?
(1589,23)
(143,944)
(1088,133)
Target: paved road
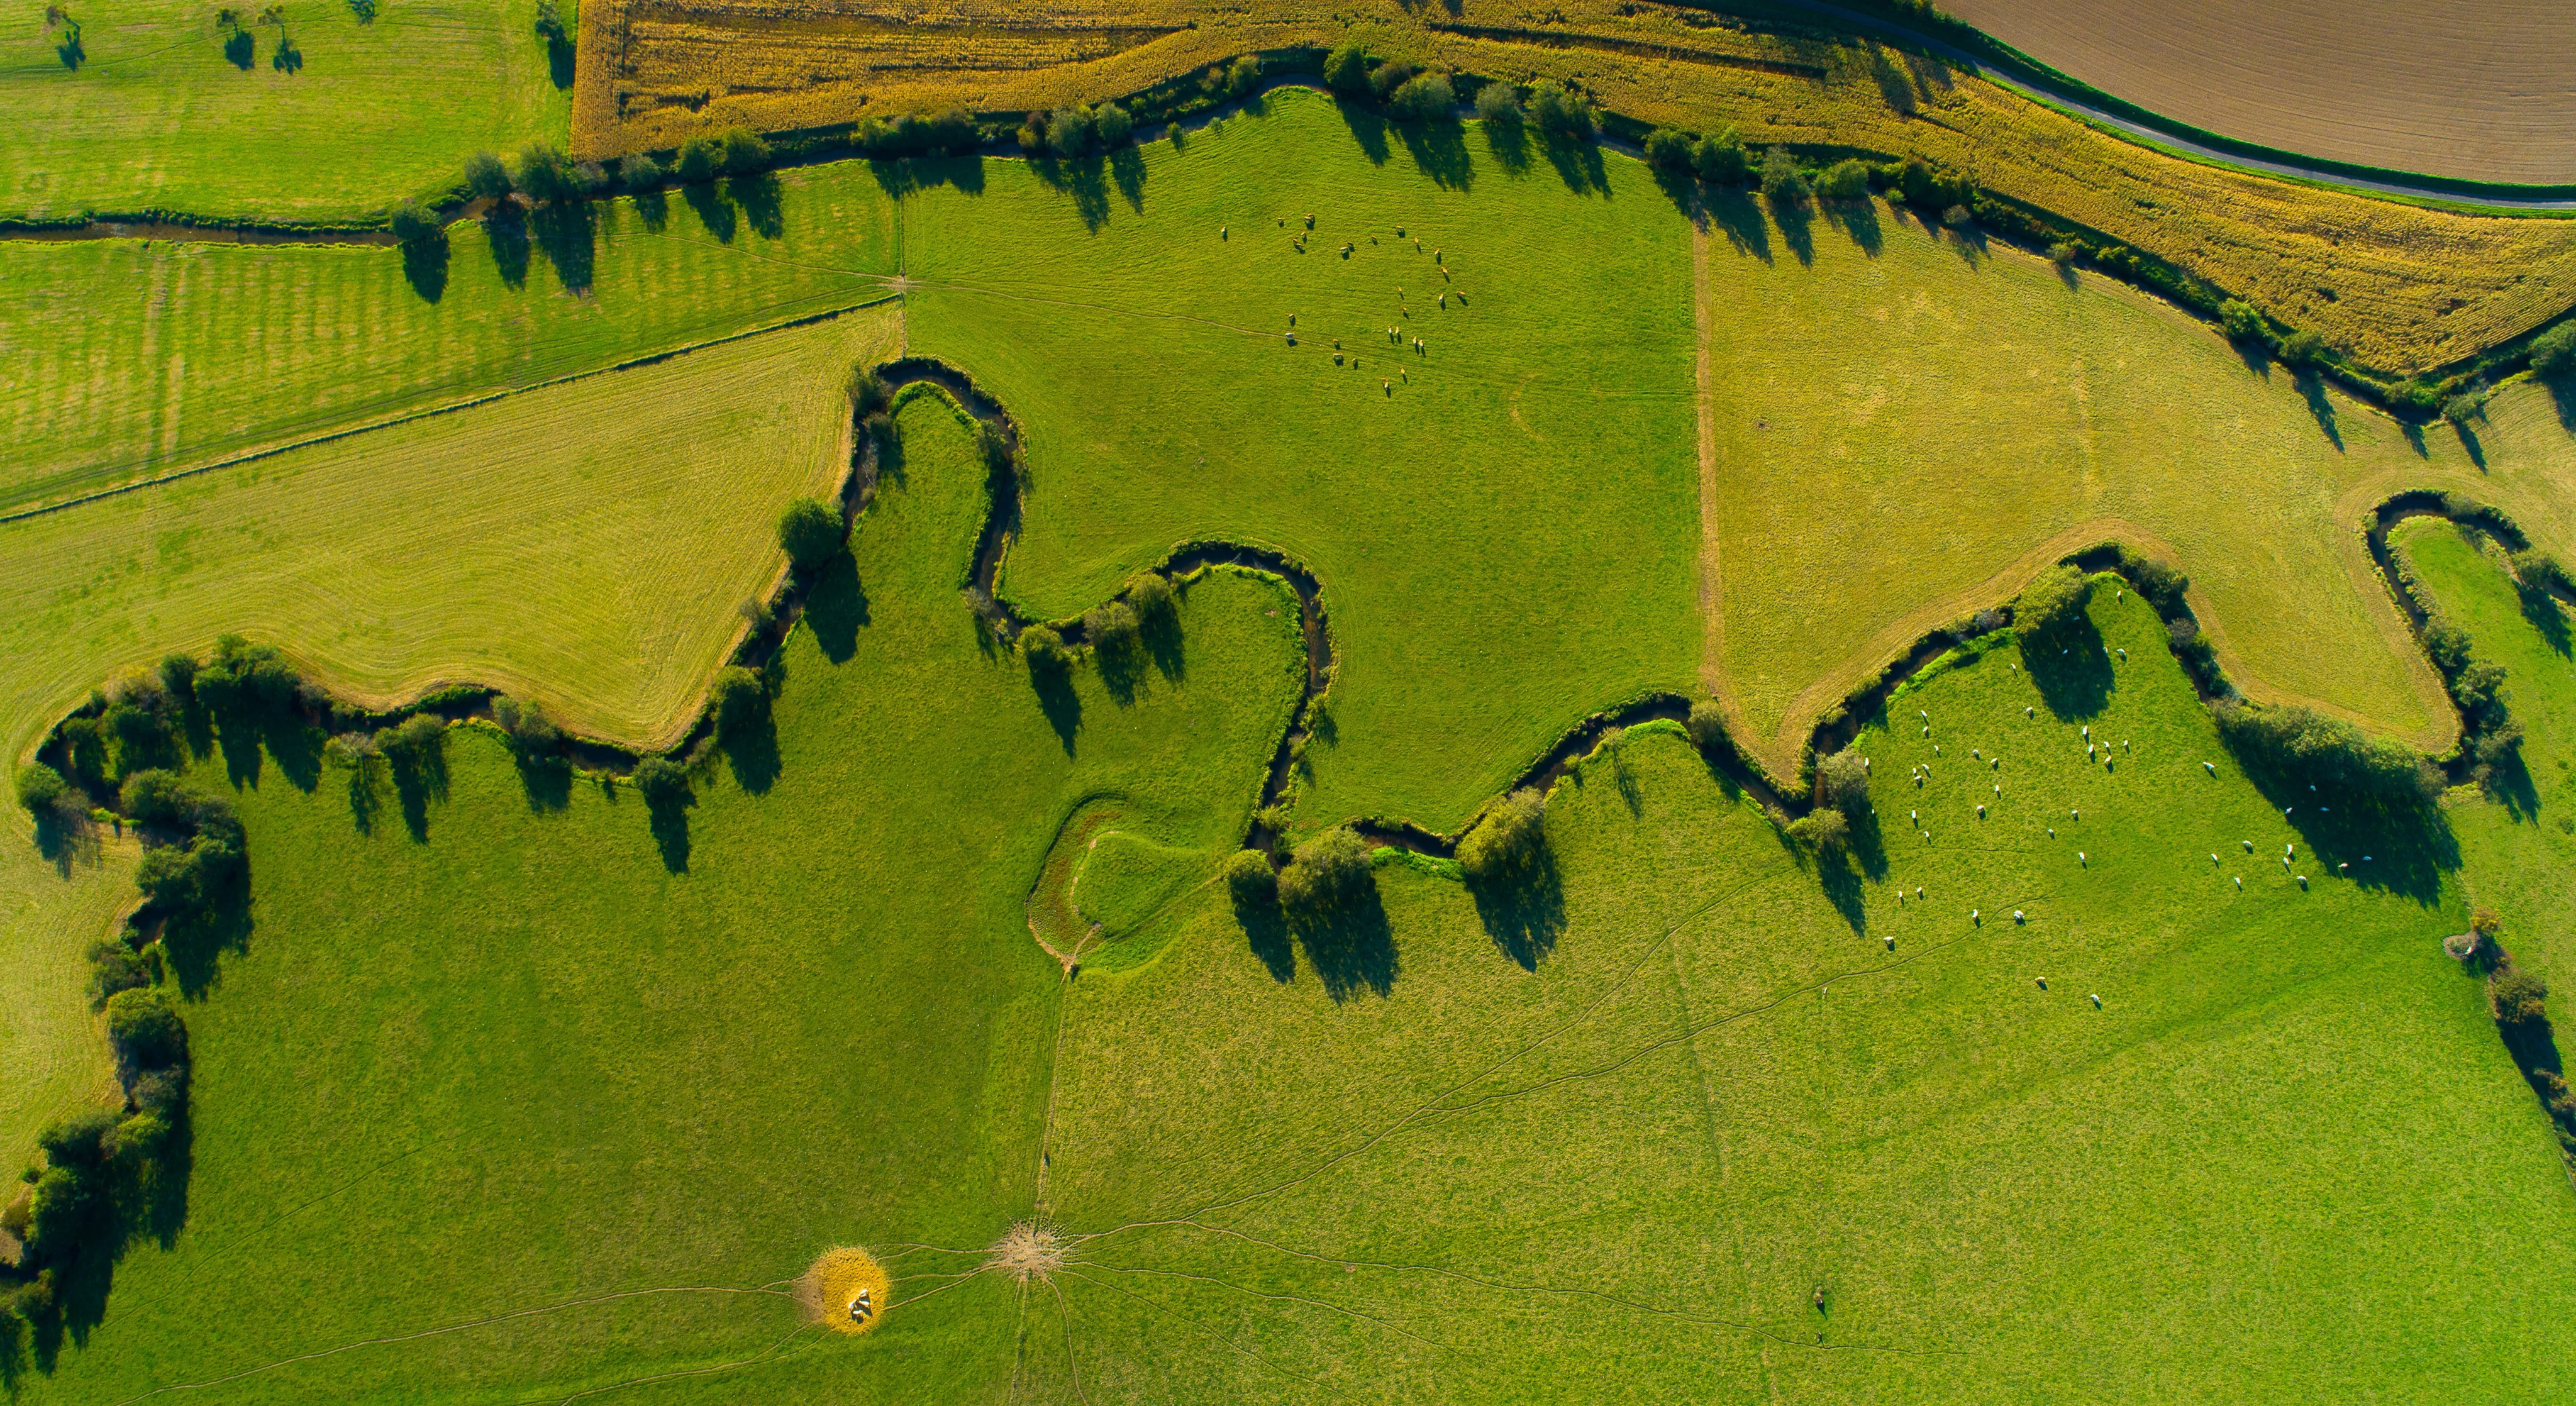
(1852,19)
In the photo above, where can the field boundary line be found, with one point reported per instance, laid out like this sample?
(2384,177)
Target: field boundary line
(630,364)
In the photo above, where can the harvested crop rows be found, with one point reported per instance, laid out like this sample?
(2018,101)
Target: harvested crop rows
(2478,92)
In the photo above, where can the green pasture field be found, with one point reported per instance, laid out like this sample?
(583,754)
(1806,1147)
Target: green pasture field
(2521,842)
(159,115)
(131,359)
(2287,1158)
(1909,425)
(1506,542)
(542,1051)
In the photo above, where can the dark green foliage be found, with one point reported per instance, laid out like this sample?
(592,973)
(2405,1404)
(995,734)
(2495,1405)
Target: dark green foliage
(743,152)
(2162,583)
(64,1203)
(1044,649)
(1113,124)
(87,745)
(191,879)
(1707,728)
(1508,842)
(546,174)
(1068,131)
(143,723)
(1842,782)
(639,171)
(1425,97)
(2520,997)
(1917,183)
(1346,69)
(138,1139)
(245,677)
(550,22)
(1329,874)
(412,224)
(2466,406)
(178,673)
(1722,159)
(1249,876)
(1560,113)
(2303,348)
(2064,253)
(485,178)
(810,532)
(532,734)
(2416,397)
(1242,75)
(155,797)
(1389,76)
(418,742)
(700,159)
(2055,598)
(1111,627)
(2448,645)
(2243,322)
(113,967)
(1668,148)
(41,789)
(1499,104)
(1157,605)
(1824,830)
(145,1030)
(737,701)
(1847,179)
(1782,184)
(660,781)
(163,1091)
(2327,752)
(77,1141)
(2554,352)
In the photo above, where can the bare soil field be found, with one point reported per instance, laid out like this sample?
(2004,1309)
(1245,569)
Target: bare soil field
(2479,92)
(2395,286)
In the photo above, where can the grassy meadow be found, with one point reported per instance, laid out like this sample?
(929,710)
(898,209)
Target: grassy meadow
(163,111)
(1503,523)
(541,1051)
(131,359)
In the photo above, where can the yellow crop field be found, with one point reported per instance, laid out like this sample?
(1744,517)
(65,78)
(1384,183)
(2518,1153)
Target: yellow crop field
(2396,286)
(2474,91)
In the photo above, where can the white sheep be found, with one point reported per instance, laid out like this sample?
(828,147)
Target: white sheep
(2097,1002)
(2208,767)
(2240,885)
(2081,859)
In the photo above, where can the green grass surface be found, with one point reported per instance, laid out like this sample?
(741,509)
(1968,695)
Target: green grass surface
(520,1062)
(1506,542)
(158,116)
(131,359)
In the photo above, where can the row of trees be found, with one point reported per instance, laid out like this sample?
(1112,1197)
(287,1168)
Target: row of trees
(1071,131)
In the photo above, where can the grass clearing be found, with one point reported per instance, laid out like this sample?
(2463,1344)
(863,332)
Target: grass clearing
(131,359)
(524,1062)
(165,111)
(2447,90)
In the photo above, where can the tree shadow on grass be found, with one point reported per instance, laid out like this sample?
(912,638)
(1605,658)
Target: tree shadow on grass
(2312,389)
(2402,848)
(2469,441)
(1159,632)
(714,212)
(1510,144)
(1084,178)
(654,207)
(1127,173)
(66,840)
(1368,129)
(1122,669)
(546,778)
(1736,213)
(1679,187)
(669,820)
(1351,947)
(507,233)
(751,749)
(1859,219)
(1265,930)
(2546,616)
(425,266)
(568,231)
(762,200)
(1440,149)
(1796,222)
(1052,682)
(836,606)
(910,175)
(1524,913)
(559,55)
(194,944)
(1577,162)
(418,780)
(2071,668)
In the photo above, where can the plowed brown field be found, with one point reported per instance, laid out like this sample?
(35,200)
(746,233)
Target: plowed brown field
(2483,92)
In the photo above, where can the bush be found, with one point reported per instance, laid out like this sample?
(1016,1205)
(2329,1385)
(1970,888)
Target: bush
(1389,76)
(2242,321)
(2055,598)
(187,880)
(1425,97)
(485,178)
(113,967)
(86,747)
(2520,997)
(1722,160)
(810,533)
(179,675)
(867,392)
(1707,728)
(1561,113)
(1346,69)
(141,725)
(1329,873)
(145,1030)
(1044,649)
(743,152)
(2303,348)
(1668,148)
(2328,752)
(1781,182)
(1069,131)
(1113,124)
(550,25)
(1842,781)
(639,171)
(77,1142)
(660,781)
(2554,352)
(412,224)
(2064,253)
(2416,397)
(531,732)
(737,701)
(1509,841)
(161,1090)
(1498,103)
(1158,606)
(139,1138)
(1958,217)
(1847,179)
(1242,75)
(59,1214)
(1250,877)
(1111,628)
(2162,583)
(155,797)
(245,677)
(1824,830)
(546,174)
(2539,571)
(700,159)
(41,789)
(2464,407)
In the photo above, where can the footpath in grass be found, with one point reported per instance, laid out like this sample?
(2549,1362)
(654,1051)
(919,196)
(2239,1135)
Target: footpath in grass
(132,359)
(1503,520)
(1729,1082)
(334,111)
(539,1052)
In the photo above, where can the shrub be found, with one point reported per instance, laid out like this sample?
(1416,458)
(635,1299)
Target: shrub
(245,677)
(1915,181)
(179,675)
(810,533)
(1847,179)
(1509,841)
(416,741)
(743,151)
(700,159)
(2303,348)
(1346,69)
(1242,75)
(1842,781)
(2479,688)
(546,174)
(161,1090)
(78,1141)
(1781,182)
(2416,397)
(412,224)
(2538,570)
(113,967)
(1668,148)
(550,25)
(485,179)
(1425,97)
(1722,160)
(2554,352)
(660,781)
(2486,922)
(1158,606)
(41,789)
(1824,830)
(737,700)
(59,1213)
(1498,103)
(1069,130)
(2464,407)
(1560,112)
(2520,997)
(145,1030)
(530,731)
(2055,598)
(2448,645)
(1111,627)
(1113,124)
(86,745)
(1707,727)
(867,392)
(2242,321)
(1329,873)
(186,880)
(155,797)
(1250,877)
(1044,649)
(1389,76)
(2162,583)
(2328,752)
(639,171)
(1958,217)
(139,1138)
